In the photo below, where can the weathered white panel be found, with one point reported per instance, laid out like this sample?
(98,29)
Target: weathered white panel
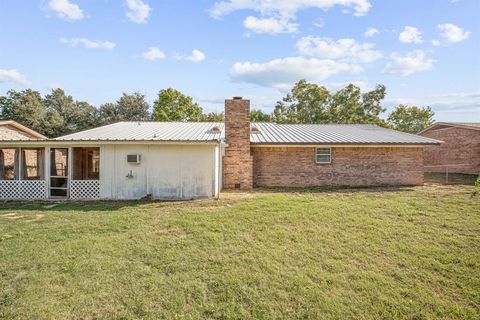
(133,187)
(166,171)
(181,172)
(107,172)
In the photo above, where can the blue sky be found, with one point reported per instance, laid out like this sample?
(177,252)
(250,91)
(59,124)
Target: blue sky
(426,52)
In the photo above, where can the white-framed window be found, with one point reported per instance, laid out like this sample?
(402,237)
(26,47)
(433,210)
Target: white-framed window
(323,155)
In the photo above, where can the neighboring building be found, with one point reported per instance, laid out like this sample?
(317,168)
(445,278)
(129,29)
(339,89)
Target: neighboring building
(460,150)
(172,160)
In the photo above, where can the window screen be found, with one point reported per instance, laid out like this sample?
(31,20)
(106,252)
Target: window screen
(323,155)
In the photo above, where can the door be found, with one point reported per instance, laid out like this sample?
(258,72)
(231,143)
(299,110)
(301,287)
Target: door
(59,173)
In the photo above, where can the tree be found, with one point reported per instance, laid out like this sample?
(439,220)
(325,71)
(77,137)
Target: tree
(259,116)
(108,114)
(25,107)
(133,107)
(213,117)
(312,103)
(65,115)
(306,103)
(411,119)
(130,107)
(172,105)
(350,106)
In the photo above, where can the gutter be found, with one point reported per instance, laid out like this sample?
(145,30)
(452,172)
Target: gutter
(345,144)
(104,142)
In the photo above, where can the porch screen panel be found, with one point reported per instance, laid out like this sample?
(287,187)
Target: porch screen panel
(9,165)
(86,163)
(59,162)
(33,164)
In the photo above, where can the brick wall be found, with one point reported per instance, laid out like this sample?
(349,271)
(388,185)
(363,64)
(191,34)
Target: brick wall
(352,166)
(237,161)
(461,146)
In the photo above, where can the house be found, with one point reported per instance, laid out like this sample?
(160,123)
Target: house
(172,160)
(460,152)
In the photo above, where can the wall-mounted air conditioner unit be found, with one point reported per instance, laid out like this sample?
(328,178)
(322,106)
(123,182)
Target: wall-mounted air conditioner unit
(134,158)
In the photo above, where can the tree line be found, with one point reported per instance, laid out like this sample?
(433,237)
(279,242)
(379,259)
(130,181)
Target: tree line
(57,113)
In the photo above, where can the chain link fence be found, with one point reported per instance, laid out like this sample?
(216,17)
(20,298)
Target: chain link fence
(451,174)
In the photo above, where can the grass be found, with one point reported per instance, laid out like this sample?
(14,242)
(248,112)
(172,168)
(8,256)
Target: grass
(411,253)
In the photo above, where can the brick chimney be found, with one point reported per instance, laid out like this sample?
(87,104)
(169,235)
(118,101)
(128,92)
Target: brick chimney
(237,161)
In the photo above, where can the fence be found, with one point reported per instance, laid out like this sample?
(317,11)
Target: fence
(451,173)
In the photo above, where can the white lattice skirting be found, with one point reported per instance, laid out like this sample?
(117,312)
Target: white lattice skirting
(85,189)
(23,189)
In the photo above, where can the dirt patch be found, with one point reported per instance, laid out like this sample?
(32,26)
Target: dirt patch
(11,216)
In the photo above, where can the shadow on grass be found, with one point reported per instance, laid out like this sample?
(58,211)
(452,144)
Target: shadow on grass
(114,205)
(84,206)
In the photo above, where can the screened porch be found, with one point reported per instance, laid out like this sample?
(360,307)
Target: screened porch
(28,173)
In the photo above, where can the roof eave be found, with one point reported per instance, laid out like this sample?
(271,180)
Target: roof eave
(396,144)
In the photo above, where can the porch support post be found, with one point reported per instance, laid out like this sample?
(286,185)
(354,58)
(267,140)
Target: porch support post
(46,172)
(20,164)
(70,170)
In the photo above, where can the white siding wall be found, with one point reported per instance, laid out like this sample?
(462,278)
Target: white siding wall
(166,171)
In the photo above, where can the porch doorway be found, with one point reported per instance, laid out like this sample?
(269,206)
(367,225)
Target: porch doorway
(59,173)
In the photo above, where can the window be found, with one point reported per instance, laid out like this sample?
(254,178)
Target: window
(323,155)
(32,164)
(9,164)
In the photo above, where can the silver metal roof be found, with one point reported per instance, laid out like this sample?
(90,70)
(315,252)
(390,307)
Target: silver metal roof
(272,133)
(267,133)
(150,131)
(467,125)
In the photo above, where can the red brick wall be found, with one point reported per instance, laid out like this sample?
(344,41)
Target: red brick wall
(352,166)
(237,161)
(461,146)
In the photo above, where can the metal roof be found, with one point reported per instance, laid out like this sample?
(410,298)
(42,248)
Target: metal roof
(150,131)
(272,133)
(267,133)
(466,125)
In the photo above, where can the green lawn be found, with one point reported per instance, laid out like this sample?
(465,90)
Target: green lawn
(411,253)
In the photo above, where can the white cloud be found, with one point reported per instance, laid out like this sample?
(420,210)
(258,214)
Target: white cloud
(435,42)
(276,15)
(282,73)
(89,44)
(412,62)
(269,25)
(370,32)
(285,8)
(410,35)
(66,9)
(452,33)
(343,49)
(138,11)
(196,56)
(153,53)
(454,106)
(14,76)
